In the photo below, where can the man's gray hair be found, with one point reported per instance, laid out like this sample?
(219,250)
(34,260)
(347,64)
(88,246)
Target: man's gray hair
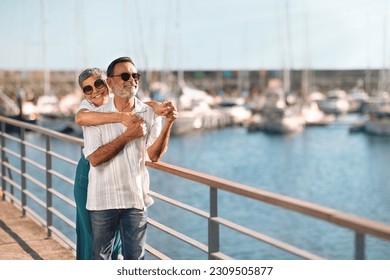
(91,72)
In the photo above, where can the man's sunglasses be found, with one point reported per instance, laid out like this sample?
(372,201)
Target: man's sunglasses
(99,83)
(126,76)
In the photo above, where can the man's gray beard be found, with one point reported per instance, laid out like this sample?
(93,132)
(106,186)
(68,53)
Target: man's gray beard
(128,94)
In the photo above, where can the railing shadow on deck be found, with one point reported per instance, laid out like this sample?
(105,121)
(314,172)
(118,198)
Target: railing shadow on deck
(23,172)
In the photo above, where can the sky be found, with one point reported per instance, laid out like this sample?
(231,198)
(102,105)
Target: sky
(195,35)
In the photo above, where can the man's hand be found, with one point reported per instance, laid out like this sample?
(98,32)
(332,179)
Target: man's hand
(127,117)
(161,108)
(136,128)
(171,113)
(159,147)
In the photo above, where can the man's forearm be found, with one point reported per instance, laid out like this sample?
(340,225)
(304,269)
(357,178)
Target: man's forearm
(106,152)
(158,148)
(109,150)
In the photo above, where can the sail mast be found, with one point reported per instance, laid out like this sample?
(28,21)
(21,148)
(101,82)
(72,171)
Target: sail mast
(46,73)
(287,52)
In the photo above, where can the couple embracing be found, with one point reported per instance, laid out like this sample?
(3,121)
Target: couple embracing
(120,134)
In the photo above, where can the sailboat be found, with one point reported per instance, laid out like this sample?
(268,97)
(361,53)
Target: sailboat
(196,110)
(50,115)
(314,116)
(281,113)
(310,110)
(377,110)
(377,107)
(21,110)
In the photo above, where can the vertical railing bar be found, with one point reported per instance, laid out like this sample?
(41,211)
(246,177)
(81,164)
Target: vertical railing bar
(11,179)
(213,232)
(3,185)
(23,169)
(360,246)
(49,197)
(11,187)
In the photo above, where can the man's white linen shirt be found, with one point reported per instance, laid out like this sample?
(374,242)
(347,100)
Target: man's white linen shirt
(123,181)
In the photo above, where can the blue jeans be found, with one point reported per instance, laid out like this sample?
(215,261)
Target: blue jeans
(132,224)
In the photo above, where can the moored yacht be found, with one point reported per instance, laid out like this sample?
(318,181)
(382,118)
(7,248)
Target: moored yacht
(378,112)
(50,115)
(277,116)
(335,103)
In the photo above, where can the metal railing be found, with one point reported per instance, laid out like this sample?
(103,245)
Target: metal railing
(15,178)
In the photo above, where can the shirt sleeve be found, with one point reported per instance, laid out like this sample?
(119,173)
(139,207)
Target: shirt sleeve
(92,140)
(86,105)
(155,131)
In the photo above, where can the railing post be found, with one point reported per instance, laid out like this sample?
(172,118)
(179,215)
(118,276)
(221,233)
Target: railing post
(359,246)
(23,169)
(213,226)
(2,160)
(49,198)
(3,168)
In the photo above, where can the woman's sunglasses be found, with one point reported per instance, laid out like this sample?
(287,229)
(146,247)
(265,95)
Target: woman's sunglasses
(99,83)
(126,76)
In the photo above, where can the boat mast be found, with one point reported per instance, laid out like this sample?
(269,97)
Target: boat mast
(306,79)
(179,53)
(287,50)
(367,77)
(80,54)
(284,38)
(383,75)
(46,73)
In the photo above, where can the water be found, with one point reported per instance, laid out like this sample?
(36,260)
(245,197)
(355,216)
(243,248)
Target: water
(324,165)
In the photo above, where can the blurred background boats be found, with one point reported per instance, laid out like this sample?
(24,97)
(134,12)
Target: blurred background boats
(280,98)
(213,99)
(50,114)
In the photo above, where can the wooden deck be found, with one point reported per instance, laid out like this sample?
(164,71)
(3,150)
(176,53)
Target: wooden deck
(22,239)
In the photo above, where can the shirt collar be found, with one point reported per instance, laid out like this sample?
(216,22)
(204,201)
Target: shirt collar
(140,107)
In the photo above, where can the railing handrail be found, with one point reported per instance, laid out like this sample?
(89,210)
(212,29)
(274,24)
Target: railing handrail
(355,223)
(360,226)
(42,130)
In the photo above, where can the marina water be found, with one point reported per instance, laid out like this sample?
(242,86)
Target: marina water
(328,166)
